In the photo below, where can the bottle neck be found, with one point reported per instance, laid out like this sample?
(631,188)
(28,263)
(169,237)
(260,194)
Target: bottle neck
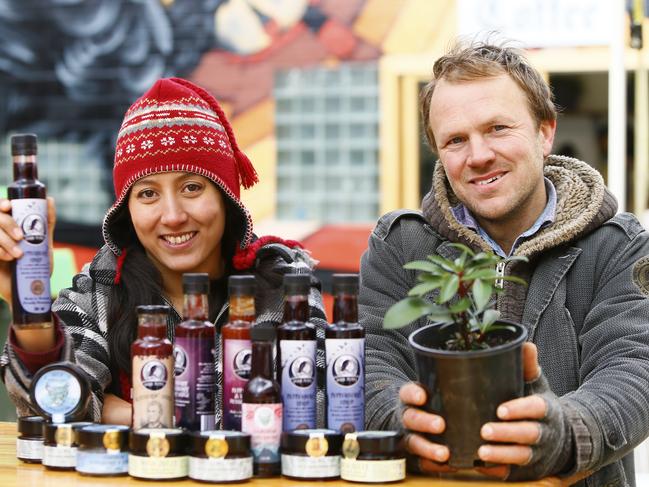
(195,307)
(296,308)
(25,167)
(346,308)
(152,326)
(262,360)
(242,308)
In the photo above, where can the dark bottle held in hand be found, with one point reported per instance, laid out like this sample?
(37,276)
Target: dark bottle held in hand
(30,276)
(236,347)
(194,367)
(152,370)
(297,355)
(345,359)
(261,411)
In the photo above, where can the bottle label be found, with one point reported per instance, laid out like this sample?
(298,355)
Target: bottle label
(220,469)
(29,449)
(57,392)
(345,384)
(195,383)
(60,456)
(153,392)
(157,467)
(263,422)
(373,470)
(311,467)
(298,383)
(237,360)
(33,268)
(102,463)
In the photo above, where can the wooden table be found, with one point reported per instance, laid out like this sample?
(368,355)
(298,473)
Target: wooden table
(15,473)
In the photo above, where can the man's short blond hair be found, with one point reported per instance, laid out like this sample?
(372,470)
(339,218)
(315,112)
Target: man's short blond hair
(478,60)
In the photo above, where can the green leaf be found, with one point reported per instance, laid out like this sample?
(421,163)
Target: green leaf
(460,261)
(449,288)
(442,262)
(514,279)
(463,248)
(406,311)
(441,315)
(481,293)
(489,318)
(425,287)
(461,306)
(502,327)
(480,274)
(517,258)
(422,265)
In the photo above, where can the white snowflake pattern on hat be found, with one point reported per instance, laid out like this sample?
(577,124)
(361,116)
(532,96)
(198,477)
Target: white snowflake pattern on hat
(189,139)
(146,144)
(167,141)
(208,140)
(130,148)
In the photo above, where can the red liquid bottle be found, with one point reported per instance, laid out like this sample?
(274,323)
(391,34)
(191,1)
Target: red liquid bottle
(296,356)
(30,276)
(261,411)
(152,370)
(236,347)
(194,370)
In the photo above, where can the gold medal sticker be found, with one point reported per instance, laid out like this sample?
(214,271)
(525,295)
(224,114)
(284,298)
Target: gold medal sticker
(158,445)
(63,435)
(111,440)
(216,447)
(351,448)
(317,445)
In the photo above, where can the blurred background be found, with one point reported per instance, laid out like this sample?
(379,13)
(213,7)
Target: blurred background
(322,95)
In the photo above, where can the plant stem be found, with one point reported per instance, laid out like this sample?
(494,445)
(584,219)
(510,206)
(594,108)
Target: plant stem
(463,321)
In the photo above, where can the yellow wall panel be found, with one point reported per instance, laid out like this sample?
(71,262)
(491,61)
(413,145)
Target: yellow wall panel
(260,199)
(376,19)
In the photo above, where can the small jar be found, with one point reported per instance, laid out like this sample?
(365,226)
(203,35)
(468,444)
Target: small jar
(29,444)
(60,392)
(60,445)
(373,457)
(157,454)
(311,454)
(220,456)
(103,450)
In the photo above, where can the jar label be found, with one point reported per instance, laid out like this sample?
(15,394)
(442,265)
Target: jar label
(60,456)
(237,360)
(220,469)
(153,396)
(58,392)
(298,383)
(195,383)
(33,268)
(102,463)
(29,449)
(373,470)
(263,422)
(345,384)
(310,467)
(157,467)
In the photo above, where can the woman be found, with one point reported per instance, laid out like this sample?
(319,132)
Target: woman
(177,177)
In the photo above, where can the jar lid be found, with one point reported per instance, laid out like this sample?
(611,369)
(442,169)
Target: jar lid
(313,442)
(218,444)
(112,437)
(158,442)
(31,425)
(64,434)
(60,392)
(372,442)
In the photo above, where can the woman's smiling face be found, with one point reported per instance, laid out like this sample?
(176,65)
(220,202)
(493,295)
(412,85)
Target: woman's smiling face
(179,219)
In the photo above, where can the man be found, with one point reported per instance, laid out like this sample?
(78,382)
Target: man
(490,117)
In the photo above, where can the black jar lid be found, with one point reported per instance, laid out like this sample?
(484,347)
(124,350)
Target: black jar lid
(31,425)
(161,442)
(196,283)
(60,392)
(113,437)
(344,283)
(24,145)
(64,434)
(373,443)
(312,442)
(241,285)
(219,444)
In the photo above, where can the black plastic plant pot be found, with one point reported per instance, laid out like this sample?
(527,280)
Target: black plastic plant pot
(466,387)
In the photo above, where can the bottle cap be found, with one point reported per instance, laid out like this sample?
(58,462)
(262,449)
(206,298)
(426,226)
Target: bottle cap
(153,309)
(60,392)
(241,285)
(313,442)
(24,145)
(218,444)
(31,425)
(196,283)
(109,436)
(345,283)
(297,284)
(262,334)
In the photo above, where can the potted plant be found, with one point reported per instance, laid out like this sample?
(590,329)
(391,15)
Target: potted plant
(468,359)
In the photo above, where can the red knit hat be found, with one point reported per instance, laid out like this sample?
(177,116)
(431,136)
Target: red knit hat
(178,126)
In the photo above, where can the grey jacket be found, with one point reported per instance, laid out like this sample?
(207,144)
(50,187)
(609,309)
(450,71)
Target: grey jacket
(586,308)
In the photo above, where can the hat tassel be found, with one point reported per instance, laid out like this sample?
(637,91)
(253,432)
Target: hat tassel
(247,173)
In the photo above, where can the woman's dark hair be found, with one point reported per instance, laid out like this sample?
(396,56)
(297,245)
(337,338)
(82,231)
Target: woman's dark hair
(141,283)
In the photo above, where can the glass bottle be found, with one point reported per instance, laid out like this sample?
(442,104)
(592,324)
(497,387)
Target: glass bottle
(152,370)
(261,411)
(297,355)
(30,276)
(194,366)
(236,347)
(345,359)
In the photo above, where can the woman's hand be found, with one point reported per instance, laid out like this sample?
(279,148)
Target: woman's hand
(10,236)
(116,410)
